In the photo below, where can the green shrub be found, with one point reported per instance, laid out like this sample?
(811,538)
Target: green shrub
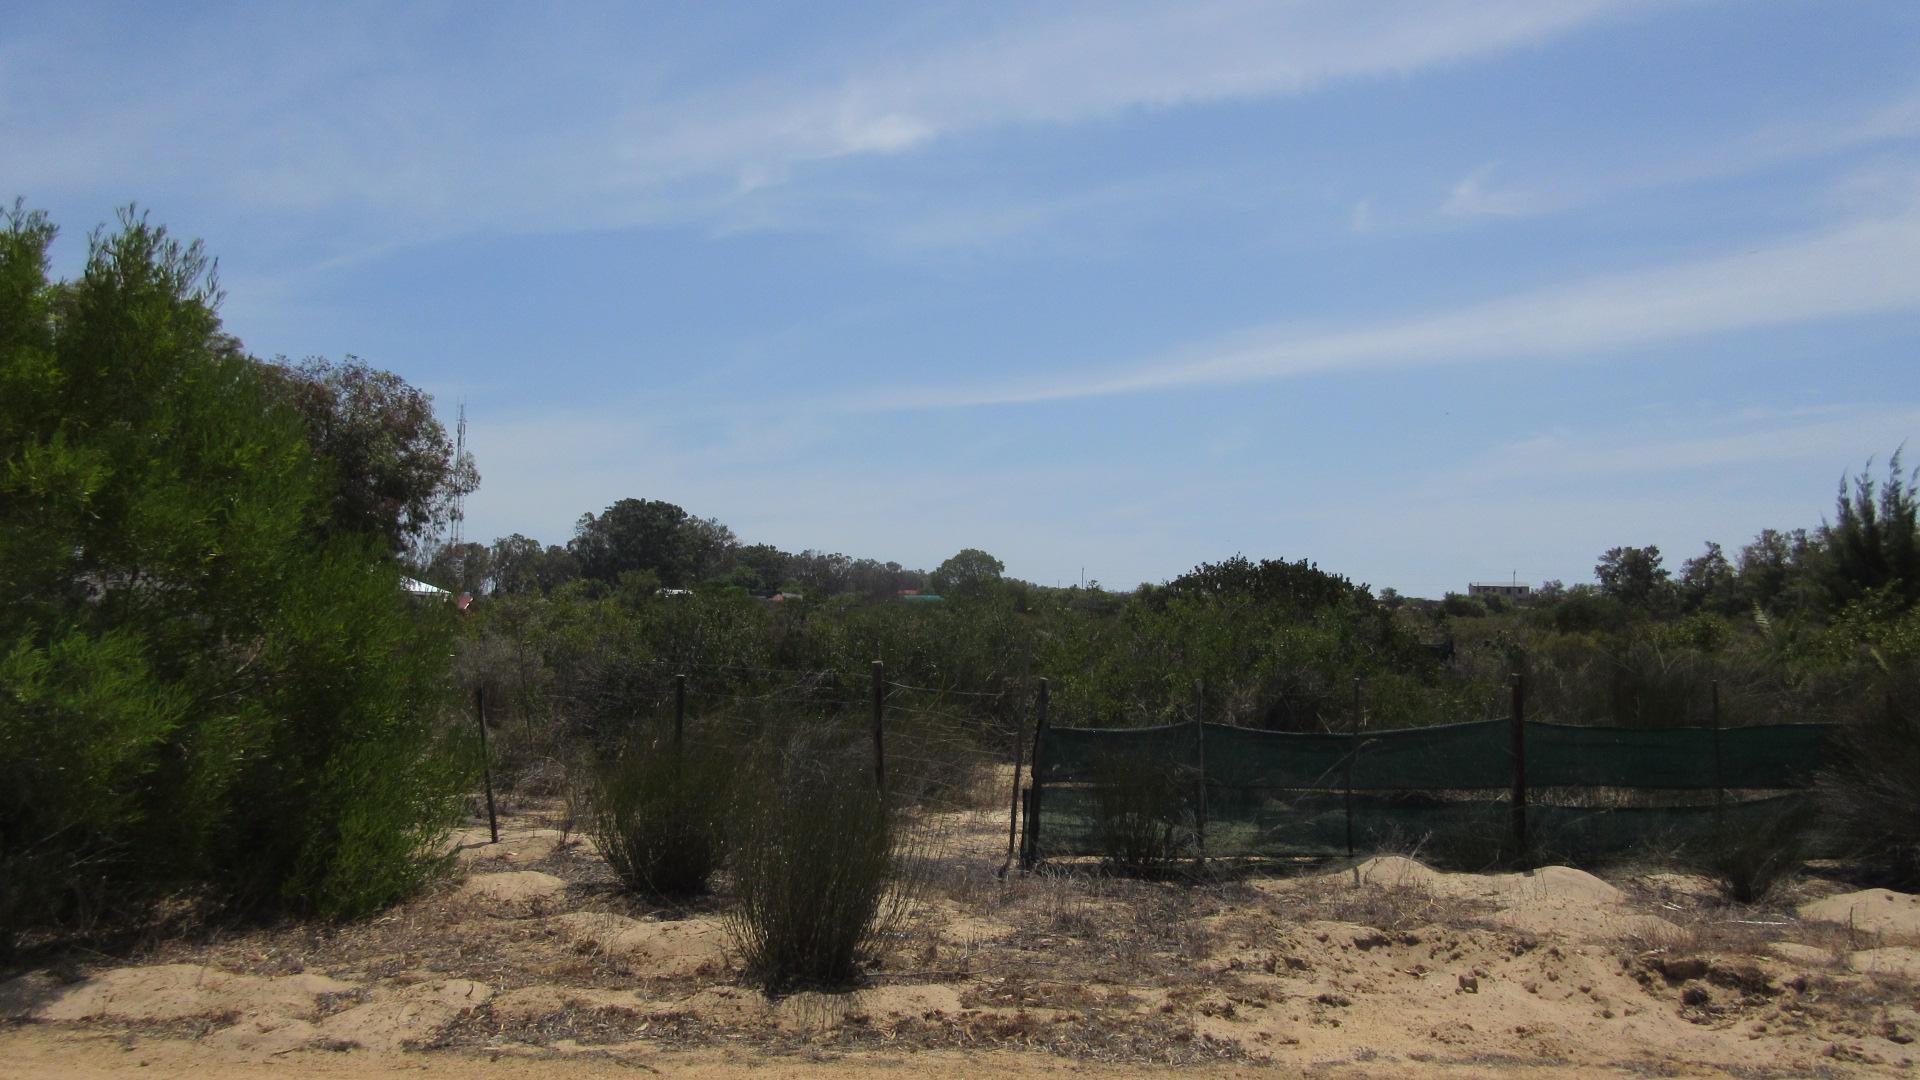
(1144,813)
(657,813)
(818,865)
(205,689)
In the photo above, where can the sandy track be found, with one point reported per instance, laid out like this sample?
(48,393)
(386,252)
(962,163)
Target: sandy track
(45,1054)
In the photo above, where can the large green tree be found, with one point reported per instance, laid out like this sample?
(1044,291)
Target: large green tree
(204,683)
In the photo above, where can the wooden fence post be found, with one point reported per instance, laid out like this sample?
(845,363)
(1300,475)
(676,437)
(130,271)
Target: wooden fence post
(1031,852)
(879,725)
(1519,769)
(486,760)
(1719,774)
(679,709)
(1013,809)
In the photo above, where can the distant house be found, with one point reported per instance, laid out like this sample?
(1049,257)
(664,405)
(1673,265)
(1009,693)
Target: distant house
(416,587)
(1510,590)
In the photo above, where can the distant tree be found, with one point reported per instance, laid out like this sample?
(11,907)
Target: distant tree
(1300,586)
(638,534)
(1873,543)
(514,565)
(710,547)
(819,573)
(1634,576)
(461,568)
(1391,599)
(393,470)
(1708,583)
(1779,568)
(967,571)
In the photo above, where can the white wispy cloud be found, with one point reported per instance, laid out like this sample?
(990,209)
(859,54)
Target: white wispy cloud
(1786,140)
(533,126)
(1861,268)
(1835,436)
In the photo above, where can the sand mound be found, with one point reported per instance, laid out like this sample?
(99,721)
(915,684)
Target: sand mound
(1793,952)
(1877,911)
(1560,885)
(412,1015)
(512,887)
(1900,960)
(655,948)
(1396,872)
(182,991)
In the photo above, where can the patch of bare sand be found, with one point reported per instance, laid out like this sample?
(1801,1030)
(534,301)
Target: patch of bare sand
(525,888)
(183,991)
(519,845)
(1876,911)
(649,947)
(410,1015)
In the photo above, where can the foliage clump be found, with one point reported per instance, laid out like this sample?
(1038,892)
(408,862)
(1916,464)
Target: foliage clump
(203,689)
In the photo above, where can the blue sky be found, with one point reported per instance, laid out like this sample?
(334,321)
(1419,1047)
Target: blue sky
(1426,292)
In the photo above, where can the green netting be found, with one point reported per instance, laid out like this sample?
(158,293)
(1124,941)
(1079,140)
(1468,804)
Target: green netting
(1458,757)
(1283,793)
(1468,832)
(1092,755)
(1778,756)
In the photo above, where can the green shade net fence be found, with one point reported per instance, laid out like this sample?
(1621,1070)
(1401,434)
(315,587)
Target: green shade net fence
(1446,791)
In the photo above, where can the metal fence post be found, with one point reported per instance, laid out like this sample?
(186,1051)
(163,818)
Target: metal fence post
(1353,751)
(1200,782)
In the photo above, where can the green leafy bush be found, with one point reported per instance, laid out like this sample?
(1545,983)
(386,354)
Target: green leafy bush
(202,688)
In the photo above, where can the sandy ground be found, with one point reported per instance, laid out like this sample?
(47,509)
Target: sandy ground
(532,964)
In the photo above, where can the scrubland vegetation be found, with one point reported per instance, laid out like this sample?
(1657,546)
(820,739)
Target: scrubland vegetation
(214,697)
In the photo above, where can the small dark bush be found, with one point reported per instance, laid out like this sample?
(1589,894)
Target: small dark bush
(1872,787)
(1144,813)
(657,814)
(1750,860)
(817,868)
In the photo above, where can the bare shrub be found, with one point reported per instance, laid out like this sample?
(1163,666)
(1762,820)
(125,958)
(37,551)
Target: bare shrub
(657,813)
(1144,819)
(1750,862)
(1872,786)
(819,867)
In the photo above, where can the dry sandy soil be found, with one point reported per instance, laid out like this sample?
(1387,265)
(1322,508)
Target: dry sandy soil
(532,964)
